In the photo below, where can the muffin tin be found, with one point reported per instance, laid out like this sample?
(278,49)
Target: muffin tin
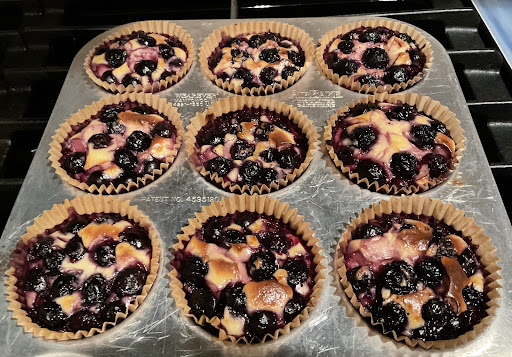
(322,195)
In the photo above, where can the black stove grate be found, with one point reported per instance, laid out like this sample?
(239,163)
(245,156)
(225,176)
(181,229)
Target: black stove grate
(38,40)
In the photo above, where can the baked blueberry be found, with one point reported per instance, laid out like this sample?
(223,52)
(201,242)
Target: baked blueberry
(109,312)
(344,66)
(367,231)
(136,237)
(444,247)
(245,75)
(396,74)
(212,230)
(138,141)
(362,108)
(346,47)
(370,170)
(278,242)
(125,158)
(130,80)
(241,150)
(404,37)
(288,71)
(375,57)
(267,75)
(472,296)
(100,141)
(53,260)
(261,323)
(270,55)
(371,35)
(141,109)
(130,281)
(35,280)
(166,51)
(163,129)
(144,39)
(83,320)
(116,128)
(51,316)
(363,137)
(235,299)
(294,307)
(94,289)
(392,317)
(108,77)
(63,285)
(151,166)
(423,135)
(250,172)
(404,164)
(262,131)
(256,41)
(402,112)
(268,155)
(400,278)
(267,176)
(166,74)
(96,178)
(74,226)
(287,158)
(437,164)
(105,255)
(233,236)
(193,270)
(436,310)
(145,68)
(346,155)
(108,115)
(42,247)
(296,58)
(362,279)
(468,262)
(202,302)
(115,57)
(297,271)
(74,163)
(430,272)
(261,266)
(439,126)
(369,80)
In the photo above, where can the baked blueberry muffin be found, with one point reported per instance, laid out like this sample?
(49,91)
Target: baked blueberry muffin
(147,56)
(251,147)
(374,58)
(245,276)
(243,58)
(393,145)
(413,275)
(87,272)
(125,144)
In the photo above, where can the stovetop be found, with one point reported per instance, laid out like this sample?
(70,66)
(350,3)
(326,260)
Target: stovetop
(38,40)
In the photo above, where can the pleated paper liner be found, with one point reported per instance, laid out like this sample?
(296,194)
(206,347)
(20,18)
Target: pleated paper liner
(229,104)
(213,40)
(422,103)
(450,215)
(160,27)
(259,204)
(348,82)
(84,114)
(56,215)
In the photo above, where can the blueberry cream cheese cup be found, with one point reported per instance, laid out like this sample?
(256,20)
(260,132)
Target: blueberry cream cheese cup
(162,145)
(282,128)
(431,241)
(126,254)
(284,51)
(406,69)
(164,53)
(420,112)
(263,294)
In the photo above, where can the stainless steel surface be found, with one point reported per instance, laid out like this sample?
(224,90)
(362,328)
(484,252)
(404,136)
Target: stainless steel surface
(322,195)
(496,15)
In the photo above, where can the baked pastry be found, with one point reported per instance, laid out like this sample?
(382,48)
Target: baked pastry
(415,277)
(394,146)
(119,143)
(256,58)
(251,145)
(246,276)
(147,56)
(374,56)
(84,274)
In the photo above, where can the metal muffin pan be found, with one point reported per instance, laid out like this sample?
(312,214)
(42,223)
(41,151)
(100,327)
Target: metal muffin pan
(326,199)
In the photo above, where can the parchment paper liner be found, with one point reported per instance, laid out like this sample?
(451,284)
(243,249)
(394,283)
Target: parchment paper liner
(422,103)
(449,215)
(229,104)
(348,82)
(56,215)
(286,30)
(160,27)
(259,204)
(82,115)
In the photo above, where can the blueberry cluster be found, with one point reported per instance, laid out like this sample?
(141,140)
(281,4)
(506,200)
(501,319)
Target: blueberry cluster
(251,170)
(344,61)
(403,166)
(274,242)
(399,277)
(125,157)
(268,50)
(102,297)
